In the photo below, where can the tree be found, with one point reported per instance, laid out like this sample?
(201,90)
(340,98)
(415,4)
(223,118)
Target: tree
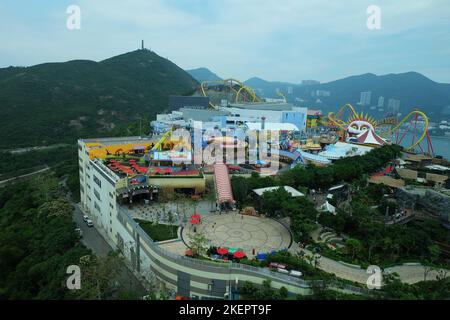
(199,244)
(272,201)
(434,253)
(99,276)
(250,292)
(354,246)
(170,220)
(240,190)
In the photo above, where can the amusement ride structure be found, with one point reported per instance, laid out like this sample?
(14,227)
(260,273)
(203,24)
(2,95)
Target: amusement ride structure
(411,131)
(229,89)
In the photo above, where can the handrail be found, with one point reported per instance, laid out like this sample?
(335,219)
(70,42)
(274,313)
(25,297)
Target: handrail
(231,266)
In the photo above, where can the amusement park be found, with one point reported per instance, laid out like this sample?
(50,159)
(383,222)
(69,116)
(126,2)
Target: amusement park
(203,174)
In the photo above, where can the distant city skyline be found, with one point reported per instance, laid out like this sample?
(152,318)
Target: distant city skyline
(288,42)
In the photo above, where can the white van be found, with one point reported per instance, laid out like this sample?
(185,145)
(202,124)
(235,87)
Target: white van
(295,273)
(282,271)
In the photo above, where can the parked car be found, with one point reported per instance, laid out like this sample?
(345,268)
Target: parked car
(275,265)
(89,223)
(85,218)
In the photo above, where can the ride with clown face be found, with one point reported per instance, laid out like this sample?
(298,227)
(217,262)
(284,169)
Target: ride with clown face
(357,125)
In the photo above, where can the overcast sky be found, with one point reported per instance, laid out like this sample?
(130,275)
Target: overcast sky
(284,40)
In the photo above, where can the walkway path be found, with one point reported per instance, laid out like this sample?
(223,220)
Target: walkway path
(408,273)
(24,175)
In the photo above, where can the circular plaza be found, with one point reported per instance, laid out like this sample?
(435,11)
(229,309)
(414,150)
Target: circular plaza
(247,233)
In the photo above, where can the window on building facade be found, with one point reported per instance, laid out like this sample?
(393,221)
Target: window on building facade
(97,181)
(97,194)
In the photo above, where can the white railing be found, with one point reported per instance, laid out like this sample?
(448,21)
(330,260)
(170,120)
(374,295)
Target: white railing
(230,266)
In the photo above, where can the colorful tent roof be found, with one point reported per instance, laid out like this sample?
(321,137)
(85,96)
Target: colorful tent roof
(196,216)
(195,221)
(222,251)
(370,137)
(223,185)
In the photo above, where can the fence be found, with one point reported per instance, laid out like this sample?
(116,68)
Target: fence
(230,267)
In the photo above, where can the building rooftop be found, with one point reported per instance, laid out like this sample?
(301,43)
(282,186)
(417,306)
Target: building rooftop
(415,157)
(272,126)
(439,178)
(294,193)
(342,150)
(407,174)
(438,167)
(388,181)
(264,106)
(117,140)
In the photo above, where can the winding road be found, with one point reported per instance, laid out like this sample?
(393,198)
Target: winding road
(408,273)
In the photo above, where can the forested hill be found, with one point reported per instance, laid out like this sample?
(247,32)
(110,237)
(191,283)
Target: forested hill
(60,102)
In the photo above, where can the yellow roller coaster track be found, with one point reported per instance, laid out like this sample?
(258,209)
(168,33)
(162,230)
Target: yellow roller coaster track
(423,135)
(249,90)
(339,122)
(229,82)
(158,146)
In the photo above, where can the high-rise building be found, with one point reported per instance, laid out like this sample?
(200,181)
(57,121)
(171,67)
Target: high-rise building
(290,90)
(366,97)
(394,106)
(380,102)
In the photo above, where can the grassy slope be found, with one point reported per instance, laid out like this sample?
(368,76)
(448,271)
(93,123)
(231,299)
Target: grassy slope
(60,102)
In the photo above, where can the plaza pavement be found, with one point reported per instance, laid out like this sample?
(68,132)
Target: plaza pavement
(245,232)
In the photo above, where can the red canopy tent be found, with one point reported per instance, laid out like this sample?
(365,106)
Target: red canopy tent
(239,254)
(196,216)
(195,221)
(222,251)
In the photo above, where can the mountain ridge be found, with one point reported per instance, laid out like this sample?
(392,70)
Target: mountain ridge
(413,89)
(62,101)
(203,74)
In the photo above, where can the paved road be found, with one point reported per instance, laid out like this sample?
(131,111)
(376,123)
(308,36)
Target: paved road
(28,149)
(91,237)
(24,175)
(93,240)
(408,273)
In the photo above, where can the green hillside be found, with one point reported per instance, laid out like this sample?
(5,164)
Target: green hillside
(203,74)
(60,102)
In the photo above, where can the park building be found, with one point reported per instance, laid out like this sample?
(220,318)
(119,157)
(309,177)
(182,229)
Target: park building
(233,116)
(117,183)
